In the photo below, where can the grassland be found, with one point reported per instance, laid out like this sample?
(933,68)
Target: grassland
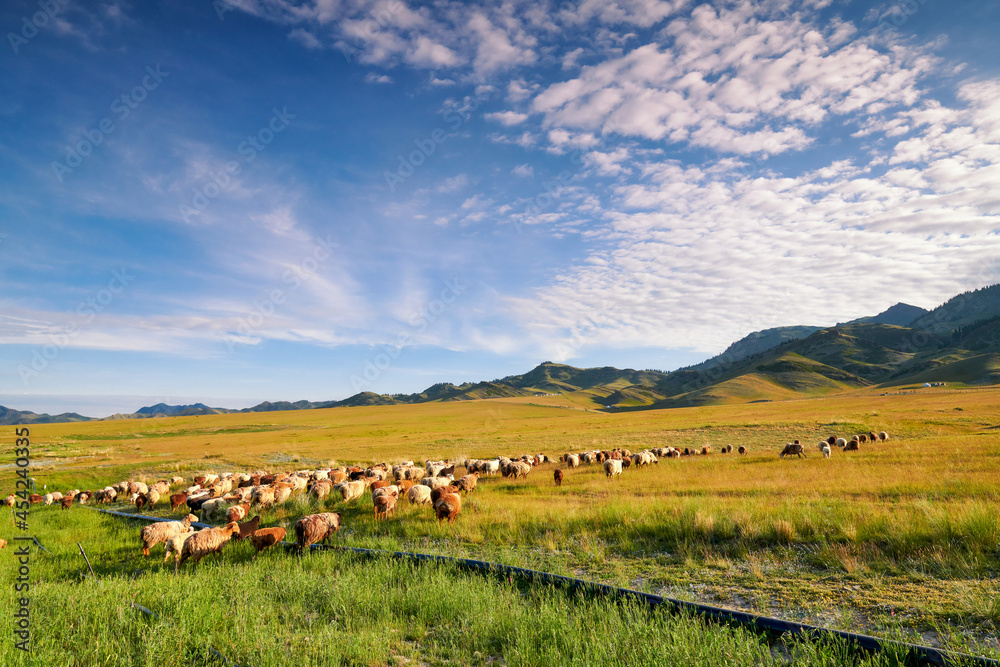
(900,539)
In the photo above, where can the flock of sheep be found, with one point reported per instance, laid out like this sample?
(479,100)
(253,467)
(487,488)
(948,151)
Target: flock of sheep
(233,495)
(826,446)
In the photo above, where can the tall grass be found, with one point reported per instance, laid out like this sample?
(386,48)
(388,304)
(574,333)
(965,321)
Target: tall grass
(335,609)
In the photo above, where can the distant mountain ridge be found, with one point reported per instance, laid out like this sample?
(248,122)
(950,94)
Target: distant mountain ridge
(959,341)
(10,417)
(901,315)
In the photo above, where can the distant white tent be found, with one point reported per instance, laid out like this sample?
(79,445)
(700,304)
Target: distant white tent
(927,384)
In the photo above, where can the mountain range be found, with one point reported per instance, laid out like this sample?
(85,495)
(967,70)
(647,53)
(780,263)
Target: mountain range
(957,342)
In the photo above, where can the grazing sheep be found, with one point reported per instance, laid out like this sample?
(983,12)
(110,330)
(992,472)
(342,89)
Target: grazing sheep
(47,499)
(862,438)
(175,545)
(841,442)
(208,541)
(883,436)
(162,531)
(467,483)
(435,482)
(742,450)
(612,468)
(247,527)
(281,494)
(237,512)
(706,450)
(832,440)
(448,506)
(852,446)
(350,490)
(419,495)
(871,436)
(314,528)
(211,508)
(826,450)
(67,501)
(385,504)
(644,458)
(792,449)
(265,538)
(152,497)
(262,495)
(572,461)
(558,476)
(10,500)
(177,500)
(321,489)
(176,480)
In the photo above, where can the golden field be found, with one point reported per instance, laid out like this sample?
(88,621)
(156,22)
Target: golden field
(901,537)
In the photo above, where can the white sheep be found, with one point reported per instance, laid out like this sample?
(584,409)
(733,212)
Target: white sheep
(162,531)
(175,545)
(826,450)
(350,490)
(612,467)
(207,541)
(419,495)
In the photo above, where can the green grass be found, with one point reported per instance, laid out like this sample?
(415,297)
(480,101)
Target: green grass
(335,608)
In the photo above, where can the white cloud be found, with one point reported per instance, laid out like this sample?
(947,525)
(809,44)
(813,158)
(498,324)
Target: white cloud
(454,183)
(523,170)
(427,53)
(306,39)
(508,118)
(374,77)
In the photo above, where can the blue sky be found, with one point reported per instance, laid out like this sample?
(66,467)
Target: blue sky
(261,199)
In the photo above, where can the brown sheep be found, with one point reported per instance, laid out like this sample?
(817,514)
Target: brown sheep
(852,446)
(707,449)
(442,491)
(448,506)
(385,504)
(742,450)
(558,475)
(404,485)
(871,436)
(832,440)
(314,528)
(248,527)
(862,438)
(792,449)
(264,538)
(66,502)
(177,500)
(208,541)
